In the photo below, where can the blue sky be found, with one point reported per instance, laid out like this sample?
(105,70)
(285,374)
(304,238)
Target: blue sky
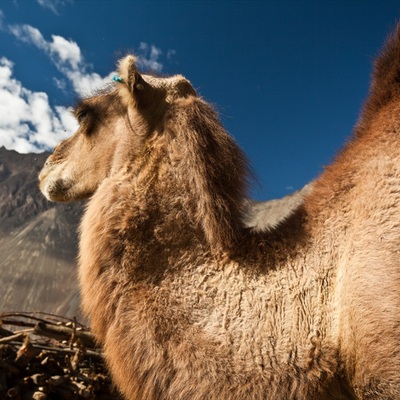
(287,77)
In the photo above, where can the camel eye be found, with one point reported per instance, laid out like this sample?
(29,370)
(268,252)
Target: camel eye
(82,112)
(82,115)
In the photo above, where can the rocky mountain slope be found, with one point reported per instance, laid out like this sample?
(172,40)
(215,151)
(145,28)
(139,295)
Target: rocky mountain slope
(38,241)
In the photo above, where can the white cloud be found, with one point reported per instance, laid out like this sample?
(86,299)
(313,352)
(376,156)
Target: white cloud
(86,84)
(29,34)
(27,121)
(60,83)
(65,51)
(53,5)
(148,57)
(66,56)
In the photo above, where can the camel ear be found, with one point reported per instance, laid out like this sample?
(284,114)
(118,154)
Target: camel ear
(133,88)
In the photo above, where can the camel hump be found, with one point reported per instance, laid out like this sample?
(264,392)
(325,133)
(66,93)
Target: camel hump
(385,85)
(386,75)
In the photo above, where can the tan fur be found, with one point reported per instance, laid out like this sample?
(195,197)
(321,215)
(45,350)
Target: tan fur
(189,303)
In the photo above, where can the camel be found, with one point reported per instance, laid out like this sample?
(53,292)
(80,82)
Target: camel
(190,303)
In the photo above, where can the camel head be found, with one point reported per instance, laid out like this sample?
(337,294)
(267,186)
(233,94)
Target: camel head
(124,114)
(145,119)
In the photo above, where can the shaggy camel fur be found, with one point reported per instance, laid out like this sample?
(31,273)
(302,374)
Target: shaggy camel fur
(187,302)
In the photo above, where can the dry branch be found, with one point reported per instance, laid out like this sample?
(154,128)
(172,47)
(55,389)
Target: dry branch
(51,358)
(60,332)
(11,338)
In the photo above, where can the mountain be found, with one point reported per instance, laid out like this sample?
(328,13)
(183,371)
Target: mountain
(38,241)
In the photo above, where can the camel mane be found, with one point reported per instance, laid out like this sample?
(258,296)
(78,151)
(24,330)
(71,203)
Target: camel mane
(214,168)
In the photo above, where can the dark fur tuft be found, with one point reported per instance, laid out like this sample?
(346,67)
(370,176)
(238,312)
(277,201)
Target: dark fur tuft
(215,169)
(385,86)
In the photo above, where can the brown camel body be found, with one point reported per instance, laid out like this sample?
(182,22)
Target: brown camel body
(188,302)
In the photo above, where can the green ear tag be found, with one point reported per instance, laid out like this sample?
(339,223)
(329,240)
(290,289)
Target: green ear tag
(117,79)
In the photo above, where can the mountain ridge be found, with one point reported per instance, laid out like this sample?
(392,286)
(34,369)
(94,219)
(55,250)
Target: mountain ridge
(38,241)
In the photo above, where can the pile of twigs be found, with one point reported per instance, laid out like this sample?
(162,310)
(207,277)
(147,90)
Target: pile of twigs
(43,356)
